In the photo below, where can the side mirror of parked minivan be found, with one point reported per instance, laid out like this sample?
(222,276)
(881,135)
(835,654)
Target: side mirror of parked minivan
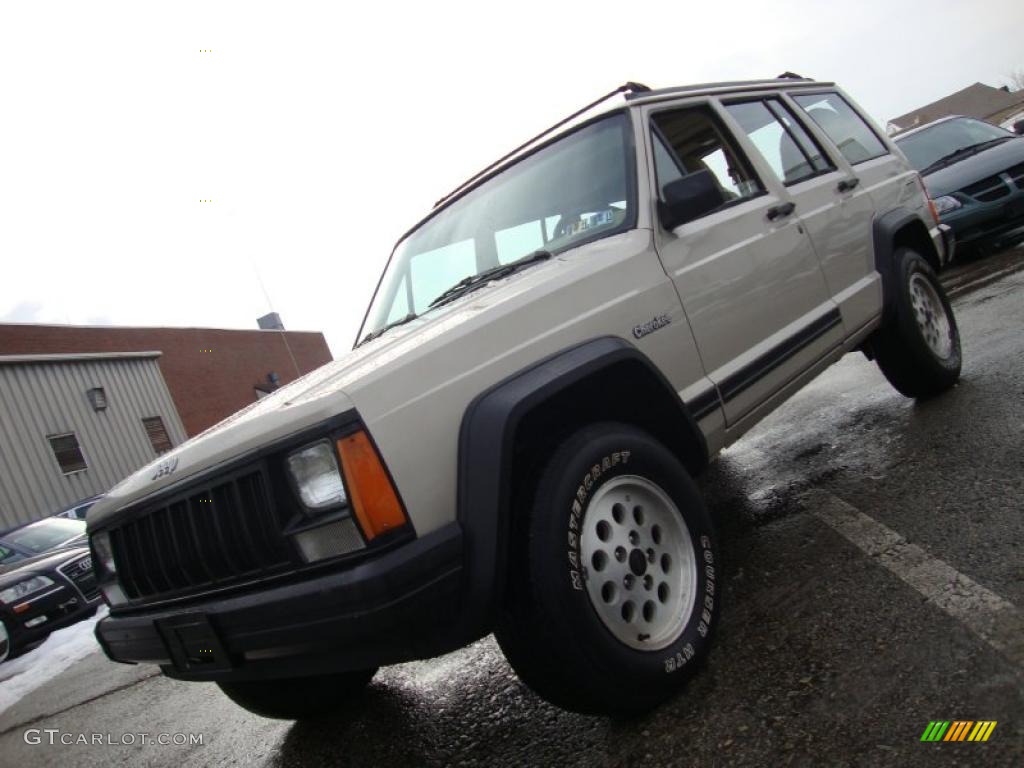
(1018,127)
(689,198)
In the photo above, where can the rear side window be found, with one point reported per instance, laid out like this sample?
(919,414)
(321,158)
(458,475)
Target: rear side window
(854,137)
(782,141)
(690,141)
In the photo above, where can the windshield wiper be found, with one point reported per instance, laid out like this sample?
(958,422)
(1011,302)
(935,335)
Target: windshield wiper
(463,287)
(471,283)
(963,152)
(384,329)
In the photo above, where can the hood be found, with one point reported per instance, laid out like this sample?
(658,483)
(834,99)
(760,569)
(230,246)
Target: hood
(270,418)
(974,168)
(315,397)
(44,563)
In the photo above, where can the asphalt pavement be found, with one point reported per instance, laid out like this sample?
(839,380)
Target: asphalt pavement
(872,548)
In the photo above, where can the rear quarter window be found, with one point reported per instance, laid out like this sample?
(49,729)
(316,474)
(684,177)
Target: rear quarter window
(849,132)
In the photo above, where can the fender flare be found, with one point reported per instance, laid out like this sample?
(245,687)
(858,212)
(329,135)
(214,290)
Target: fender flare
(884,231)
(486,439)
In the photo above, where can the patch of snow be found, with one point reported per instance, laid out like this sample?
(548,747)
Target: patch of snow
(22,675)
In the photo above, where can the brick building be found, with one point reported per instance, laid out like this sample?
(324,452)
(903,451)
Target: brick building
(210,372)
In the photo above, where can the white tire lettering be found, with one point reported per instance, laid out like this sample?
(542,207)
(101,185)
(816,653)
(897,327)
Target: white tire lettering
(576,512)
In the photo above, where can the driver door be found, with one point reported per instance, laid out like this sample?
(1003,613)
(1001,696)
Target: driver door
(745,270)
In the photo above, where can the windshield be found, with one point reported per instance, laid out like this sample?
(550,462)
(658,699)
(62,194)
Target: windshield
(575,190)
(925,147)
(46,534)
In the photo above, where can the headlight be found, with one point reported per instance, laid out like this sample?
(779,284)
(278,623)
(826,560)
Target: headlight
(25,588)
(104,554)
(946,203)
(314,469)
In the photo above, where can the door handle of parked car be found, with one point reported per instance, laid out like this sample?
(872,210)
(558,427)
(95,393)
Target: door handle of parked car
(780,211)
(847,184)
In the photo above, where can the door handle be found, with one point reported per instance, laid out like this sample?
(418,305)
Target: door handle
(847,184)
(781,211)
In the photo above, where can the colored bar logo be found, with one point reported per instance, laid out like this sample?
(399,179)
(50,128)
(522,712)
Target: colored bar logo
(958,730)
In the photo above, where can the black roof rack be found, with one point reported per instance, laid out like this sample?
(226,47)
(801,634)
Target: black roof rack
(625,88)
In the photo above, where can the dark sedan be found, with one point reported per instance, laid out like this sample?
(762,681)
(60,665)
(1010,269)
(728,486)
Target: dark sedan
(974,171)
(43,593)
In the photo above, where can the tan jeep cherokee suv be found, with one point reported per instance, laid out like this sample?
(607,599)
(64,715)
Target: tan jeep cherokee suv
(550,357)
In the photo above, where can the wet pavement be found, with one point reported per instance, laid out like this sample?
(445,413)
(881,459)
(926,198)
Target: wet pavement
(825,655)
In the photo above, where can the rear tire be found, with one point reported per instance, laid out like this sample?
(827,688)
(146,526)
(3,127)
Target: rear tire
(609,610)
(919,350)
(298,698)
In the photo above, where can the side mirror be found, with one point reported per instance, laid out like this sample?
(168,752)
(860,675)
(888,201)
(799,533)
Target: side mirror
(1018,127)
(689,198)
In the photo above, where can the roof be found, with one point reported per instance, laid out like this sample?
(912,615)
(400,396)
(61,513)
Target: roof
(978,100)
(632,93)
(730,86)
(76,357)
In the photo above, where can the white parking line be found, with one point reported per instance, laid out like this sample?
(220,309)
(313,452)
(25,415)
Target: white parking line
(994,619)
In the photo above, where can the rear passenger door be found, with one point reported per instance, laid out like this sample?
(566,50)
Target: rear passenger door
(838,217)
(880,182)
(746,273)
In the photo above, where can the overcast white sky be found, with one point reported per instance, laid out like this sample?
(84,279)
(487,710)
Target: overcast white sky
(322,131)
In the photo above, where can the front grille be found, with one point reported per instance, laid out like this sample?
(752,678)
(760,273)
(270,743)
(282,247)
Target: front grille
(80,573)
(988,189)
(1017,174)
(212,535)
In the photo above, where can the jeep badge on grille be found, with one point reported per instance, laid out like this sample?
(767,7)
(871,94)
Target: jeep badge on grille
(165,467)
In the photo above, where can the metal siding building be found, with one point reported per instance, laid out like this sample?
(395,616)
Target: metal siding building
(48,396)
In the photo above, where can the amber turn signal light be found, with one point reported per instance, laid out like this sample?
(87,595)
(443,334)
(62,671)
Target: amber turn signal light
(373,497)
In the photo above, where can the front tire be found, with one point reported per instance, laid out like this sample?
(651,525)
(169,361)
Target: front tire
(298,698)
(612,594)
(919,351)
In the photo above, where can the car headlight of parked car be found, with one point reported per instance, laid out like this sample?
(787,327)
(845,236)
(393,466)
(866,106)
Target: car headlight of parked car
(25,588)
(946,203)
(102,553)
(314,470)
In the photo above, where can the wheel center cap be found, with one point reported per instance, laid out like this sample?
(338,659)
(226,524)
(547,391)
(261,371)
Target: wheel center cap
(637,562)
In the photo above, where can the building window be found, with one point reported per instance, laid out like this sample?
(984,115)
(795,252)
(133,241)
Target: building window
(157,434)
(98,398)
(68,453)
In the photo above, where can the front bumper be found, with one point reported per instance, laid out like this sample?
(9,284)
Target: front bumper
(58,607)
(977,221)
(945,243)
(400,606)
